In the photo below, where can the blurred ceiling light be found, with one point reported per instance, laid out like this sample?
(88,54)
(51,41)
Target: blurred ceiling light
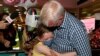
(15,6)
(1,4)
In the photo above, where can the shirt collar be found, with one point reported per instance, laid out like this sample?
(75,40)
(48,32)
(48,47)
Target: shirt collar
(63,25)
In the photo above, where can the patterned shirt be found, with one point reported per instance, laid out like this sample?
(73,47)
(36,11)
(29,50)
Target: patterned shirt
(71,36)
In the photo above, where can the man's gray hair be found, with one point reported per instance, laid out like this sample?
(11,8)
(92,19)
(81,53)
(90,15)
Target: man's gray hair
(51,10)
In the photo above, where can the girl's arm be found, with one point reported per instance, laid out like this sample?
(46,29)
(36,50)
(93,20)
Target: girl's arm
(48,52)
(43,49)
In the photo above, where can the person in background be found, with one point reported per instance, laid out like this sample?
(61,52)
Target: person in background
(3,25)
(70,34)
(7,35)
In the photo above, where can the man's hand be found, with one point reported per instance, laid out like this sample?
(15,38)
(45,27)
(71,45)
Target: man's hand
(3,25)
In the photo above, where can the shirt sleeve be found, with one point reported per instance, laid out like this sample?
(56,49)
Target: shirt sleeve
(80,42)
(47,43)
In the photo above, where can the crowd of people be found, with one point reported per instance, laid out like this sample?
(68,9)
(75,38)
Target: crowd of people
(7,34)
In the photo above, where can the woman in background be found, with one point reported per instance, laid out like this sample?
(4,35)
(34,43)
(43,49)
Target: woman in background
(7,36)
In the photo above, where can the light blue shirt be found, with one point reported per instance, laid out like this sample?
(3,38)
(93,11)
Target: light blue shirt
(71,36)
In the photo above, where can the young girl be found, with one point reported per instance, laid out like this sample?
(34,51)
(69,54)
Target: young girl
(43,35)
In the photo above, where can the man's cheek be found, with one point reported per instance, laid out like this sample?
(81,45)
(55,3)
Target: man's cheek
(50,23)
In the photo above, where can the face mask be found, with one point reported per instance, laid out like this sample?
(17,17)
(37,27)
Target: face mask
(31,20)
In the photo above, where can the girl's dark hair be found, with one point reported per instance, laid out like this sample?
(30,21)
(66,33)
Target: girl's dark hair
(41,29)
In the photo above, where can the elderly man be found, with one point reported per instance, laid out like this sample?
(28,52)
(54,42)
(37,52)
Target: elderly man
(70,36)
